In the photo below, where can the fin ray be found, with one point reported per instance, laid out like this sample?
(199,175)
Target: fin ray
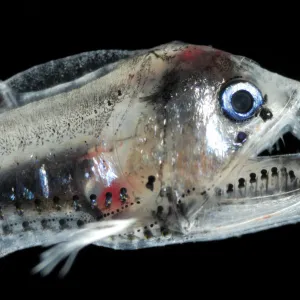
(91,233)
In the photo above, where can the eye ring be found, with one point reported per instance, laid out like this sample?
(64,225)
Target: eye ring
(240,99)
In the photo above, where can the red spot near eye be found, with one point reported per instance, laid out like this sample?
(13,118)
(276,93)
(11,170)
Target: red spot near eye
(191,54)
(219,52)
(114,190)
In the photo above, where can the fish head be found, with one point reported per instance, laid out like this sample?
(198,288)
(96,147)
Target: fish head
(213,152)
(221,112)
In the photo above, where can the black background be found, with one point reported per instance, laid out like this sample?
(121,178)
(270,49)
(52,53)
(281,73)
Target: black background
(31,34)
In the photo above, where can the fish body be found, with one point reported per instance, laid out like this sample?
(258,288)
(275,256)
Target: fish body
(135,149)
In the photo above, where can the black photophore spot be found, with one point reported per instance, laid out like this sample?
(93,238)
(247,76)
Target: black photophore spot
(274,171)
(292,175)
(108,198)
(229,188)
(147,234)
(264,174)
(241,183)
(76,204)
(108,195)
(93,198)
(164,231)
(252,177)
(266,114)
(123,190)
(62,222)
(80,223)
(123,194)
(44,222)
(241,137)
(150,183)
(25,224)
(160,210)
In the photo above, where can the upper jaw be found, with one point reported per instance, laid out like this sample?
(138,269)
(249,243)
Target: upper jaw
(278,137)
(284,142)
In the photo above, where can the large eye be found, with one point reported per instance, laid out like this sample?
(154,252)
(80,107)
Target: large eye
(240,100)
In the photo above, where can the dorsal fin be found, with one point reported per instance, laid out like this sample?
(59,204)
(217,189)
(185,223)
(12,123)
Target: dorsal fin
(64,70)
(59,75)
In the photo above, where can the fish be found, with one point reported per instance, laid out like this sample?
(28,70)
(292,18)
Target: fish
(132,149)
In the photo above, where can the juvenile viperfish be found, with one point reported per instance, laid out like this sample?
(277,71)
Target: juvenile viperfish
(133,149)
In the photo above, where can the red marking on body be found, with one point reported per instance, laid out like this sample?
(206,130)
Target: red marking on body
(116,203)
(101,168)
(219,52)
(191,53)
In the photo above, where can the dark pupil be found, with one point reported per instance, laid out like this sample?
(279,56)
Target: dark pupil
(242,101)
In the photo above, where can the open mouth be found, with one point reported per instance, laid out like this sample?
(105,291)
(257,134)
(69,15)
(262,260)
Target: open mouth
(287,144)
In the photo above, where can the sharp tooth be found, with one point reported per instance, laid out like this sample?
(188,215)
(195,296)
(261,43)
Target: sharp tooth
(277,146)
(283,140)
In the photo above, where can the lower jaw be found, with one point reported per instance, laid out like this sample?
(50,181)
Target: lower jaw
(264,176)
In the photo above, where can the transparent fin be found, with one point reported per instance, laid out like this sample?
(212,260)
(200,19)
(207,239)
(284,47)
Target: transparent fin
(8,98)
(74,242)
(60,75)
(64,70)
